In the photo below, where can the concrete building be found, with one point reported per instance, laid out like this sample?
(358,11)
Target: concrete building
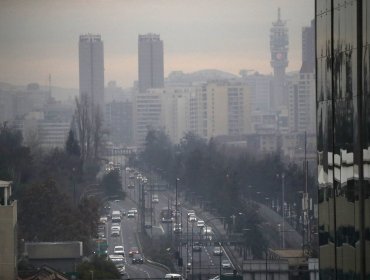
(228,109)
(148,114)
(279,42)
(151,69)
(41,132)
(308,48)
(63,256)
(260,87)
(119,121)
(343,138)
(302,103)
(8,233)
(91,69)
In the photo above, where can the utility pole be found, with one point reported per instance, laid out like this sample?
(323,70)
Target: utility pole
(283,206)
(142,207)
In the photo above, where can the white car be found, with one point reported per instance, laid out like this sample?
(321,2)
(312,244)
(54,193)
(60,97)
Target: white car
(217,251)
(115,230)
(133,210)
(226,264)
(130,214)
(119,250)
(192,218)
(119,262)
(200,223)
(191,212)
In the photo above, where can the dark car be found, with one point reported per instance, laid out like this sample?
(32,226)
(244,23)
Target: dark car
(137,258)
(197,247)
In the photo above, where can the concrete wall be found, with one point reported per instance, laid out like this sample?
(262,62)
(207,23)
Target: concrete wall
(256,270)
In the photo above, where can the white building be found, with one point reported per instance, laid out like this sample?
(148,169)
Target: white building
(302,106)
(148,114)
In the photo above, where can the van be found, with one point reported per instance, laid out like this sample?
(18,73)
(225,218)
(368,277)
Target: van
(116,216)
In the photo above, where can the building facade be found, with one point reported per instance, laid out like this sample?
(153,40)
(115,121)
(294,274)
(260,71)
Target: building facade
(301,105)
(119,121)
(151,70)
(8,233)
(148,114)
(91,63)
(343,137)
(227,109)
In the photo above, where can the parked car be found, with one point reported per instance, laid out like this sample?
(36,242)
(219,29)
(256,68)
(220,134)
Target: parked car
(137,258)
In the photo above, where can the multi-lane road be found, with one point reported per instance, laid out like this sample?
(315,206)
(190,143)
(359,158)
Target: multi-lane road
(128,239)
(196,263)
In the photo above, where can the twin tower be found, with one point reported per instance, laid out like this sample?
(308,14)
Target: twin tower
(91,62)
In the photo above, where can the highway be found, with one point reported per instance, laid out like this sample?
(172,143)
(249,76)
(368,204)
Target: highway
(202,263)
(128,239)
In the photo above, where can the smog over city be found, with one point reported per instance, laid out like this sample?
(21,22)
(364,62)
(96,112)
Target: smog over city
(184,139)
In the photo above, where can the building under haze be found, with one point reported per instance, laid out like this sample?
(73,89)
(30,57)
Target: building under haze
(343,138)
(151,71)
(308,48)
(279,41)
(8,232)
(91,62)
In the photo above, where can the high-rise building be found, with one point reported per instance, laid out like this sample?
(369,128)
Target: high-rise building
(343,137)
(302,106)
(151,71)
(308,48)
(91,61)
(279,41)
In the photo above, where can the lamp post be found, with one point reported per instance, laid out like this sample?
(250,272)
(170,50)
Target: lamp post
(283,206)
(219,244)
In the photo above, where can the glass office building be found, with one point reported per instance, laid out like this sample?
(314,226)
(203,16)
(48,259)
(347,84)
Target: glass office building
(343,131)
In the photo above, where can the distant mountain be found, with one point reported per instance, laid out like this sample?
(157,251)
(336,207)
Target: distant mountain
(179,77)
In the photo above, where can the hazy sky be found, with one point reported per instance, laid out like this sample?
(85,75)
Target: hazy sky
(41,37)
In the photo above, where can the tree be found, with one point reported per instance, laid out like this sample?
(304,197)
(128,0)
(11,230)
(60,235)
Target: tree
(46,214)
(89,124)
(14,157)
(72,146)
(112,183)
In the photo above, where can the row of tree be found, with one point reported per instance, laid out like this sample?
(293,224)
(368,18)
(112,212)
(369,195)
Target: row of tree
(224,181)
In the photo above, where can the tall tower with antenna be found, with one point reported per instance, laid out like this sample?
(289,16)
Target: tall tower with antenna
(279,42)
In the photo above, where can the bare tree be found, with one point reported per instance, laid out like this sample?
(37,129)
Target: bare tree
(89,124)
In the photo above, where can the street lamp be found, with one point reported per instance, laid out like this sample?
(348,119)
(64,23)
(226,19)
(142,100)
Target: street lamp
(283,205)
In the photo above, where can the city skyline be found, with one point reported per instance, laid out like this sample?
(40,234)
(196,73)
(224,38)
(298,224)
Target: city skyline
(206,35)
